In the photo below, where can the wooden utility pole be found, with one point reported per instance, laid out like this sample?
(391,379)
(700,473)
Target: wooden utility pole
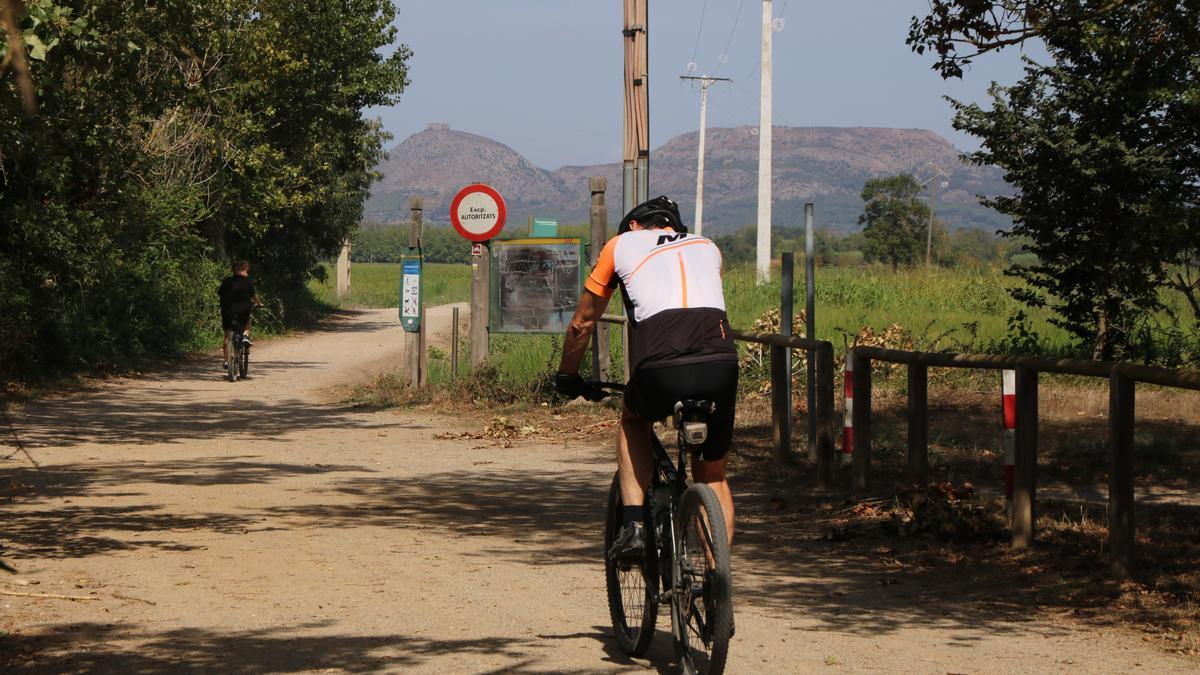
(636,163)
(635,177)
(599,233)
(704,82)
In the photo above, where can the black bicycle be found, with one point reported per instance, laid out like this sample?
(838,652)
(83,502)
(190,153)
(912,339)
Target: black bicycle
(687,554)
(238,344)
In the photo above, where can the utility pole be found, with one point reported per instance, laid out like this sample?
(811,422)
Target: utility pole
(929,235)
(704,82)
(636,166)
(635,176)
(933,186)
(764,150)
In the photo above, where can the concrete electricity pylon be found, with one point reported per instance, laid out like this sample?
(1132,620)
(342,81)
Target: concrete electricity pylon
(764,150)
(704,82)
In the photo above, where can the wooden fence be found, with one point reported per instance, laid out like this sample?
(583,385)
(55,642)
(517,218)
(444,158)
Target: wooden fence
(1121,376)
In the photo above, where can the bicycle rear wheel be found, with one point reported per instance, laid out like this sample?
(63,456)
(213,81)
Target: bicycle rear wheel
(244,364)
(234,352)
(703,605)
(632,593)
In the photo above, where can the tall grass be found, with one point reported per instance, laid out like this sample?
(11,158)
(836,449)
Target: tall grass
(940,309)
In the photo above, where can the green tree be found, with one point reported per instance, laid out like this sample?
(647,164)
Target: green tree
(1101,144)
(894,220)
(163,136)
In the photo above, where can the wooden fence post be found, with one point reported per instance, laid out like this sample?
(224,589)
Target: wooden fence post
(781,367)
(825,416)
(481,303)
(597,237)
(1024,504)
(918,422)
(861,420)
(781,414)
(454,344)
(1120,473)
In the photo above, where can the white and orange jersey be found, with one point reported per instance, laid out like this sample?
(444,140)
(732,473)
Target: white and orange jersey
(672,287)
(660,270)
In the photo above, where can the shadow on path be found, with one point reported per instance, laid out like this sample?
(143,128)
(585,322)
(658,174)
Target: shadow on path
(108,648)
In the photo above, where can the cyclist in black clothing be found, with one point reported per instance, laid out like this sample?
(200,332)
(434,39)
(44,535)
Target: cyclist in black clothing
(237,298)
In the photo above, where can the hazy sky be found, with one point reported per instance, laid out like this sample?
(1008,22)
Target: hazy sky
(544,76)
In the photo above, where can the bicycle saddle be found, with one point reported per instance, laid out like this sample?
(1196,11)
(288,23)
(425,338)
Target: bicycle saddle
(691,418)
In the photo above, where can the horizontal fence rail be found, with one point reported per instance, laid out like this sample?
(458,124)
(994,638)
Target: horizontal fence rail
(1122,378)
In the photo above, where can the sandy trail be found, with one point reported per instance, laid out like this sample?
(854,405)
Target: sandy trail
(255,527)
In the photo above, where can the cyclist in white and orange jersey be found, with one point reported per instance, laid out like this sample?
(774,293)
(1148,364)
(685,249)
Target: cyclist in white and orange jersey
(681,347)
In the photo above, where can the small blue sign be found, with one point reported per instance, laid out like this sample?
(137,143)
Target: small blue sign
(410,294)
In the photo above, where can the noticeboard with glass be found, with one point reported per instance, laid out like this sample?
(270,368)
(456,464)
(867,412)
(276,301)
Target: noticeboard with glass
(536,284)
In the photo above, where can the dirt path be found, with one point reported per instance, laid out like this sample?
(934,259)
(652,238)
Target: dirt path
(257,528)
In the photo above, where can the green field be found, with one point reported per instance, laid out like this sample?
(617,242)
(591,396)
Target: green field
(939,310)
(378,285)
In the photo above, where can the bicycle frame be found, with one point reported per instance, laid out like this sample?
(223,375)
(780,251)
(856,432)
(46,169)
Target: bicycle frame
(666,489)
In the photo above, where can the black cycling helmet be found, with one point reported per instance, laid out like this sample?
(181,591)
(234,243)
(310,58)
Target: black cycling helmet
(656,212)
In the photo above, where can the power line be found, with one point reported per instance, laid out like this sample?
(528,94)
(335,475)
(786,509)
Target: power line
(738,118)
(728,42)
(699,31)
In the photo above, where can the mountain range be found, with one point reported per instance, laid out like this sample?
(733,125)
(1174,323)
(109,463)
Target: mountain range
(823,165)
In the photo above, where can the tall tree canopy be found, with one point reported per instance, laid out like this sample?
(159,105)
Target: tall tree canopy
(895,222)
(1102,144)
(164,137)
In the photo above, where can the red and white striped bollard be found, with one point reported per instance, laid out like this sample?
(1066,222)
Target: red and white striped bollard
(848,422)
(1008,411)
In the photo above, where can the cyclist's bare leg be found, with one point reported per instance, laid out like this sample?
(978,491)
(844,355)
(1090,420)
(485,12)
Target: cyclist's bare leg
(634,462)
(225,344)
(246,330)
(713,474)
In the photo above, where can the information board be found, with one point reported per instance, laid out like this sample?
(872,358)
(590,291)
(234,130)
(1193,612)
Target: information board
(410,294)
(536,284)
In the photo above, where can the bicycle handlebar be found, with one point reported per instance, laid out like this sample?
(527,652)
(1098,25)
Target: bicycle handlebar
(602,390)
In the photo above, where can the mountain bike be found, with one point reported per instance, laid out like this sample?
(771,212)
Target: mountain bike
(239,352)
(686,563)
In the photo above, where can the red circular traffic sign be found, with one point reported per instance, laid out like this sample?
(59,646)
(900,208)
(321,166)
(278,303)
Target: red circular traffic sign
(478,212)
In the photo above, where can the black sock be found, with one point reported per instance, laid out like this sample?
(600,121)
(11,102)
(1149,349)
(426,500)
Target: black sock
(632,514)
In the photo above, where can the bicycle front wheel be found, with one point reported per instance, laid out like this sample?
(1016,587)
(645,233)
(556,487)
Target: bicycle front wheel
(703,602)
(632,593)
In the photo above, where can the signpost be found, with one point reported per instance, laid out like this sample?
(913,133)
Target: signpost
(410,293)
(412,306)
(478,213)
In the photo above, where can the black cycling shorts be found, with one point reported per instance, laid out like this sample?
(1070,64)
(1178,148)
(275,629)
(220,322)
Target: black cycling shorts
(653,392)
(235,319)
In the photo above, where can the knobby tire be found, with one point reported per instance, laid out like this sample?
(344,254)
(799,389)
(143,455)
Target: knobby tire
(705,609)
(632,593)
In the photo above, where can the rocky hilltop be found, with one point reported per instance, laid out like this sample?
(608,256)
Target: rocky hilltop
(824,165)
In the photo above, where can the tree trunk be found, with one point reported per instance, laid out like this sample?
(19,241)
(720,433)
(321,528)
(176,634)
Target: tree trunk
(1100,346)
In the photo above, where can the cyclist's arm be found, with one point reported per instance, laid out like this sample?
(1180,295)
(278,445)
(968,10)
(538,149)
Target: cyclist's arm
(575,343)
